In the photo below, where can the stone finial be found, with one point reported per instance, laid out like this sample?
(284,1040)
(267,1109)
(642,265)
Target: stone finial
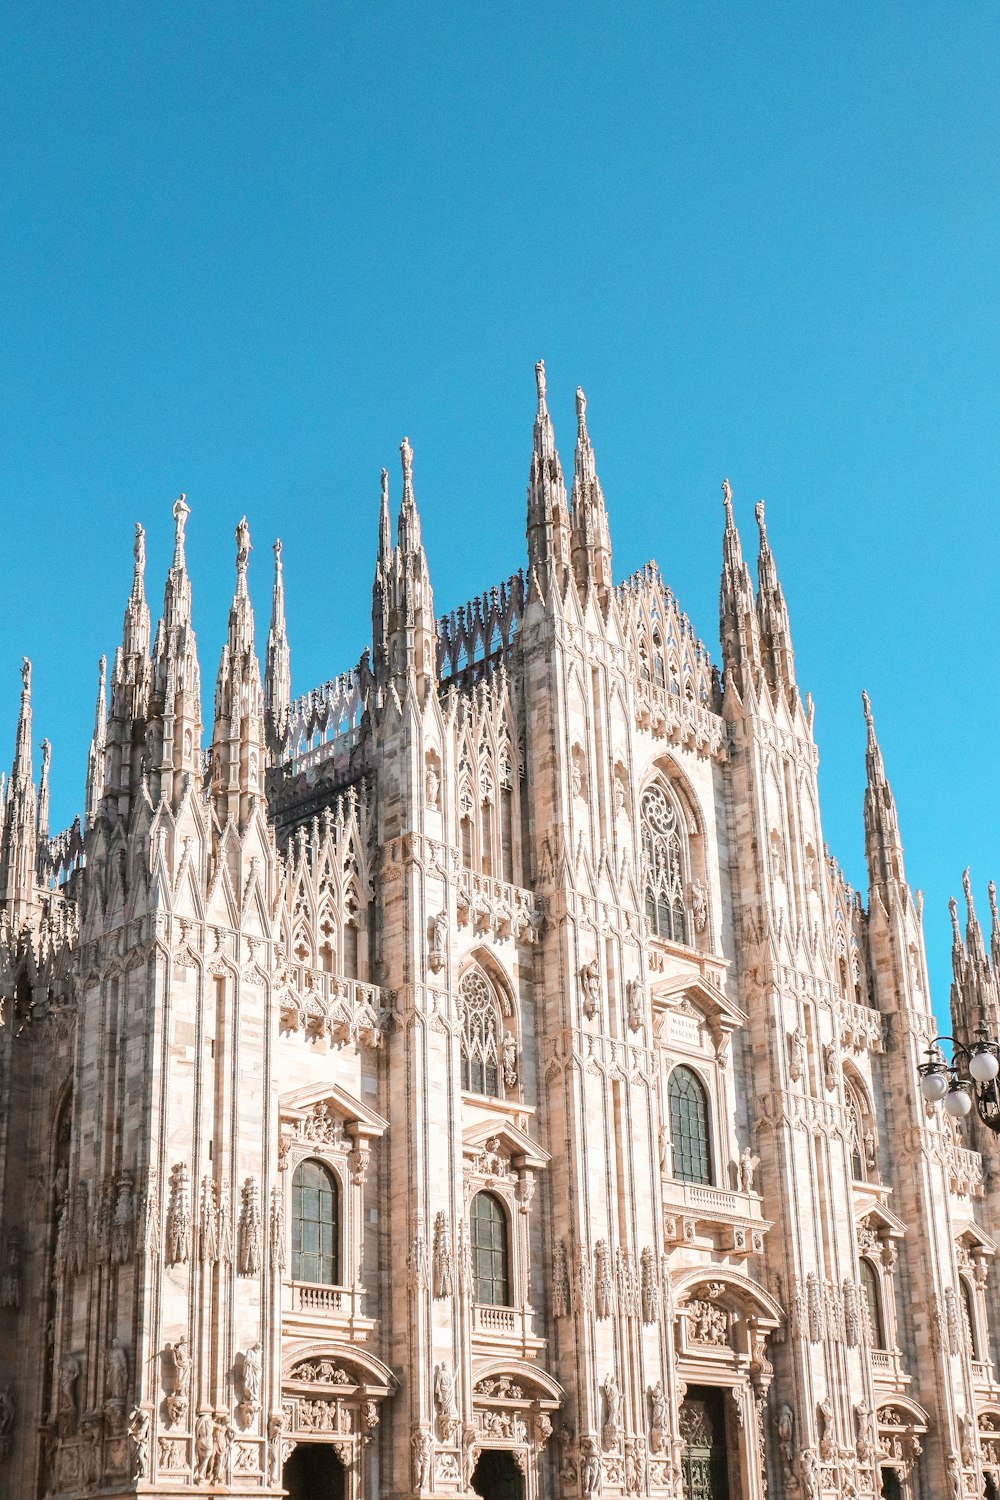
(581,413)
(406,454)
(139,549)
(866,704)
(758,515)
(276,549)
(181,511)
(26,674)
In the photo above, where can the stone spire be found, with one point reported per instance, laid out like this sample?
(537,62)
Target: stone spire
(131,678)
(994,927)
(381,586)
(412,630)
(95,756)
(975,990)
(238,744)
(738,629)
(175,706)
(548,514)
(42,815)
(19,836)
(883,845)
(973,931)
(775,633)
(277,664)
(591,537)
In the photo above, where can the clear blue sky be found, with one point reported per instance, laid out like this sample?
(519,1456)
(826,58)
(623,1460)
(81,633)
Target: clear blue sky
(245,248)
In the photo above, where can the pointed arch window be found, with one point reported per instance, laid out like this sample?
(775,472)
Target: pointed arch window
(481,1027)
(689,1134)
(664,866)
(315,1224)
(873,1301)
(490,1250)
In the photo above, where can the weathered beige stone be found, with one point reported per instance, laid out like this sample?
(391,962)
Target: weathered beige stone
(448,925)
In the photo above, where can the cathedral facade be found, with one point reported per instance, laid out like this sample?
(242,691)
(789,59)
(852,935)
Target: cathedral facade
(475,1076)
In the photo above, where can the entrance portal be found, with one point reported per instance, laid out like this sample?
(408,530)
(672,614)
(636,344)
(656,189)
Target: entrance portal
(705,1459)
(497,1476)
(314,1472)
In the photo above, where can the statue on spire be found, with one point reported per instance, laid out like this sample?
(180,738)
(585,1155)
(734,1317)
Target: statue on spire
(758,515)
(243,546)
(406,454)
(26,674)
(139,548)
(540,381)
(181,512)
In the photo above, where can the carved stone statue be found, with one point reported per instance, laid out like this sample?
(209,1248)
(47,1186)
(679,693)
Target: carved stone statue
(747,1168)
(204,1446)
(432,783)
(252,1362)
(444,1401)
(590,985)
(138,1427)
(660,1419)
(611,1435)
(785,1427)
(590,1466)
(509,1056)
(423,1451)
(117,1370)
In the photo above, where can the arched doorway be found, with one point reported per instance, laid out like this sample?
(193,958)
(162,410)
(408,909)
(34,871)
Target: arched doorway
(314,1472)
(497,1476)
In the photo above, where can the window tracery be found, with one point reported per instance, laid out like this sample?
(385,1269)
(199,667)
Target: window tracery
(873,1302)
(482,1061)
(664,866)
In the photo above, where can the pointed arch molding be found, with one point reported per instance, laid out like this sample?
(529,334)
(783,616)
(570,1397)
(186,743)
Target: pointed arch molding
(665,769)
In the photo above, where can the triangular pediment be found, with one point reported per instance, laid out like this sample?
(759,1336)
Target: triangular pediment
(692,990)
(301,1105)
(515,1142)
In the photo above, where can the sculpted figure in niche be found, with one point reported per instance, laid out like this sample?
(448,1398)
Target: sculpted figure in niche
(590,1466)
(785,1425)
(660,1418)
(117,1370)
(444,1401)
(747,1168)
(423,1448)
(252,1362)
(590,984)
(432,783)
(69,1374)
(613,1397)
(698,896)
(204,1446)
(509,1046)
(138,1428)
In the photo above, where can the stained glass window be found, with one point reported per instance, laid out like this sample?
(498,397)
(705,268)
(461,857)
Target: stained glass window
(481,1072)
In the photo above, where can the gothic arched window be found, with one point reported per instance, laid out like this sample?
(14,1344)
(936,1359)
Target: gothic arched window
(481,1064)
(490,1253)
(315,1224)
(873,1302)
(664,874)
(689,1137)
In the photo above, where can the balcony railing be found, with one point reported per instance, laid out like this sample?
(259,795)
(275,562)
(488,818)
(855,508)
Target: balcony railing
(493,1320)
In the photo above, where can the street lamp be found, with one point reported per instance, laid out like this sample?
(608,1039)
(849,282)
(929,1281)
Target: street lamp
(970,1078)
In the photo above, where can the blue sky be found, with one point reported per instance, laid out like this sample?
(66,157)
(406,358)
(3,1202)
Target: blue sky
(245,248)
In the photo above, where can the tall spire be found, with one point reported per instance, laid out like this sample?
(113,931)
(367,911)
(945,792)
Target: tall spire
(411,630)
(738,627)
(277,663)
(548,527)
(175,706)
(95,757)
(883,845)
(591,537)
(131,680)
(381,584)
(973,931)
(238,747)
(18,840)
(775,633)
(975,990)
(42,816)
